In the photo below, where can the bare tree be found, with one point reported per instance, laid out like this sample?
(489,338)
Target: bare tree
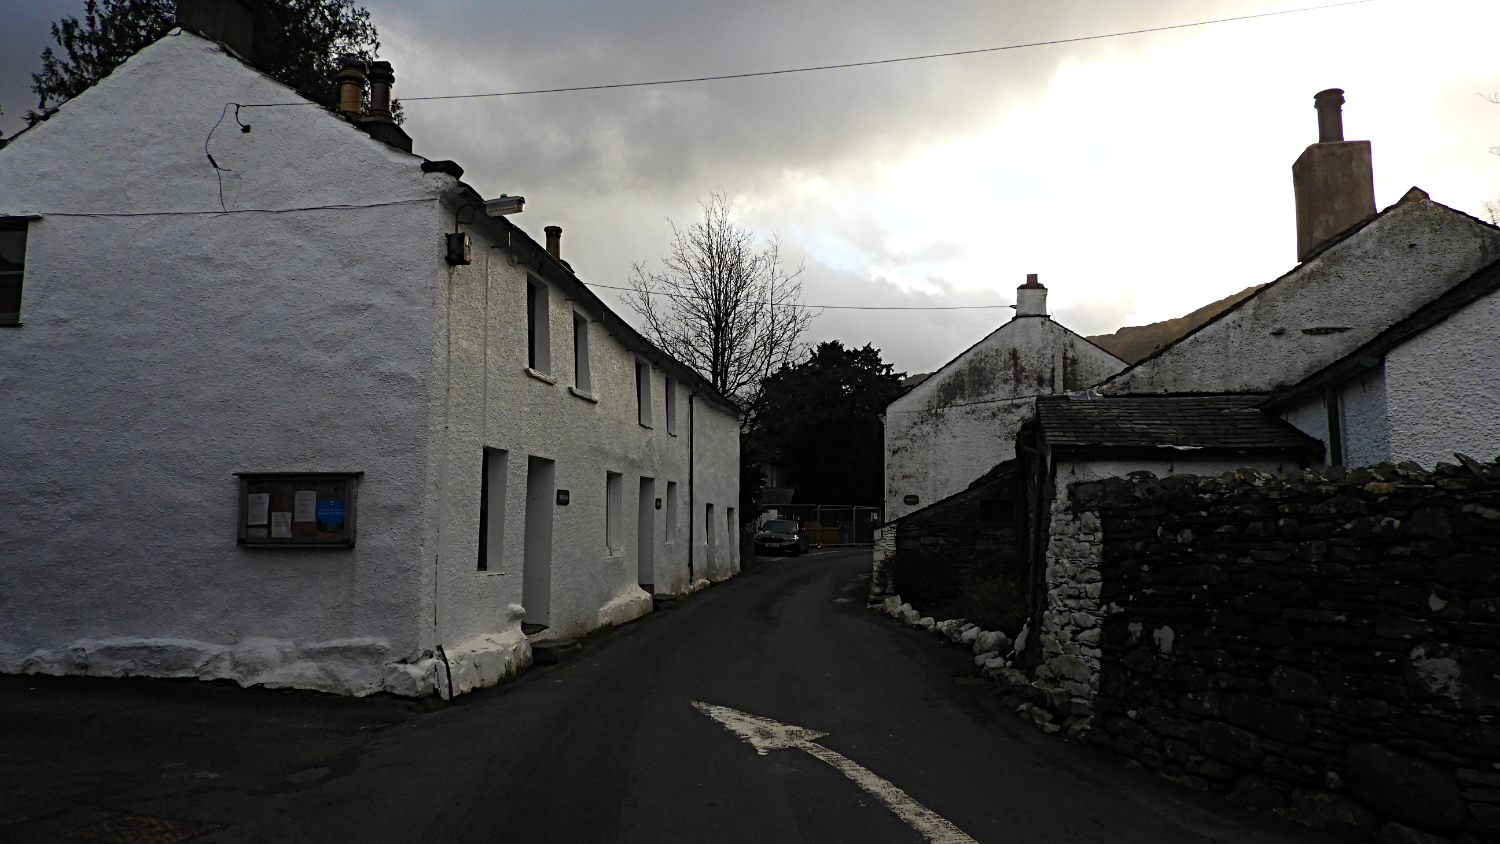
(721,305)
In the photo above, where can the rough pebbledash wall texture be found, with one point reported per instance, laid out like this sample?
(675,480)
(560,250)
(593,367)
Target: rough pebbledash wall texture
(1325,645)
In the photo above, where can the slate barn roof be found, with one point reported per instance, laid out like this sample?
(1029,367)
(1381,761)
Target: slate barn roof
(1172,422)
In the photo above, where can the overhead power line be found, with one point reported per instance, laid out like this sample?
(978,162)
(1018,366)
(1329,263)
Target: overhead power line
(829,307)
(871,63)
(888,61)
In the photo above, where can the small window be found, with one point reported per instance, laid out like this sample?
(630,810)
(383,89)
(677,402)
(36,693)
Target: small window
(286,509)
(581,378)
(614,504)
(12,267)
(734,531)
(710,536)
(492,486)
(670,391)
(643,392)
(996,511)
(538,340)
(671,515)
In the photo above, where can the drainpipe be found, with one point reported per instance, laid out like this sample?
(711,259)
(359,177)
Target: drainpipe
(692,498)
(1335,427)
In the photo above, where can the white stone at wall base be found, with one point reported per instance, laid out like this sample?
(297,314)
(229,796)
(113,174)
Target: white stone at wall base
(486,660)
(356,667)
(627,606)
(990,640)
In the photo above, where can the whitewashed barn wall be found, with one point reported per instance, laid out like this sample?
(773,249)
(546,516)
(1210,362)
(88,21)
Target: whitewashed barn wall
(291,337)
(1325,308)
(1443,388)
(962,421)
(162,354)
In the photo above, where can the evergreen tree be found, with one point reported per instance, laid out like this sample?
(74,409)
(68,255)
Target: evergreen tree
(296,41)
(822,417)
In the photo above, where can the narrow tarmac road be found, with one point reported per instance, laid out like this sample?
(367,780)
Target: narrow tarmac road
(608,747)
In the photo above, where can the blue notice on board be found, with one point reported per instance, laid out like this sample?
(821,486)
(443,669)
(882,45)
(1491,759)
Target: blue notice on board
(330,515)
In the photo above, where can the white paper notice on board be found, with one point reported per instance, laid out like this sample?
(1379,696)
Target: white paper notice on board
(305,506)
(259,509)
(281,525)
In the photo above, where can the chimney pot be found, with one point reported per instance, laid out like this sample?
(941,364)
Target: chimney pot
(1031,297)
(382,78)
(554,241)
(352,86)
(1330,106)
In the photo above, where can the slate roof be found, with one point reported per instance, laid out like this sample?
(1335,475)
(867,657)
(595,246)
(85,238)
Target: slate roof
(1169,422)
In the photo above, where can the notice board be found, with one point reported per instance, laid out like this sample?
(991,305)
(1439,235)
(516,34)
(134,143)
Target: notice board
(298,509)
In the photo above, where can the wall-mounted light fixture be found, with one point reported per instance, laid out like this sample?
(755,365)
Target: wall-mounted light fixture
(506,204)
(562,498)
(460,248)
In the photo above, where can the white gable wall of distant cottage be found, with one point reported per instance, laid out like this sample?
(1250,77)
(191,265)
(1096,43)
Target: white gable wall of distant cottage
(962,421)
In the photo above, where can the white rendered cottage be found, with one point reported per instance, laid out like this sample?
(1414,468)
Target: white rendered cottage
(1424,390)
(954,436)
(299,412)
(959,423)
(1382,343)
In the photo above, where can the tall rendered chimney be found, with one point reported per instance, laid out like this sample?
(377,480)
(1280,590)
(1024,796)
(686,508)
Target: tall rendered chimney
(1333,178)
(1031,298)
(554,241)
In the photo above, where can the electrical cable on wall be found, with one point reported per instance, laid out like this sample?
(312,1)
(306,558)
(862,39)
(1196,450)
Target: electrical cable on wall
(298,209)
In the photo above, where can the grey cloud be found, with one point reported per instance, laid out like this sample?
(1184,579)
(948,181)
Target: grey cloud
(24,31)
(739,134)
(611,166)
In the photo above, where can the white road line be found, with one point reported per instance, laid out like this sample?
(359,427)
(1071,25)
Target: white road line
(765,735)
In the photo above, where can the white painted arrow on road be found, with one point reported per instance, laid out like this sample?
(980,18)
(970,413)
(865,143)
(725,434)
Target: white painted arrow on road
(765,735)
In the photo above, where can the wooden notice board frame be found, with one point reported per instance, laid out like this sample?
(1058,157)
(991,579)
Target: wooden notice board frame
(298,509)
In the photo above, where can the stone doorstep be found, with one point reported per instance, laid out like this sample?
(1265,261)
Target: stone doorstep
(553,651)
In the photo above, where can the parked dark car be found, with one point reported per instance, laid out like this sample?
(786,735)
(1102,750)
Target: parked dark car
(780,536)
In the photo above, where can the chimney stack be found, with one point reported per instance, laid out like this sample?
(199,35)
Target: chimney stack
(554,241)
(1333,179)
(228,22)
(352,86)
(1031,298)
(380,123)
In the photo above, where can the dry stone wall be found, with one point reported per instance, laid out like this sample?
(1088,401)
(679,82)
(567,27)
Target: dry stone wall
(932,556)
(1324,645)
(1067,676)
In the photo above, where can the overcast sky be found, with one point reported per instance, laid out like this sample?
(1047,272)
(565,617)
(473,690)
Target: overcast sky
(1141,176)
